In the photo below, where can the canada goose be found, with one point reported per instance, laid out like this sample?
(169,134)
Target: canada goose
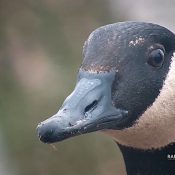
(125,87)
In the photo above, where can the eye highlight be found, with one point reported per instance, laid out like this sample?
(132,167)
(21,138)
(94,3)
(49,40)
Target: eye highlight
(156,58)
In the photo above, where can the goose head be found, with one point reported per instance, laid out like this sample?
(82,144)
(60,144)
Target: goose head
(125,88)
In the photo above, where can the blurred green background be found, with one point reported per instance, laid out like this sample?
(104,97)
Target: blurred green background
(40,52)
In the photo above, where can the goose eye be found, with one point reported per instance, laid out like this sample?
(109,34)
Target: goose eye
(156,58)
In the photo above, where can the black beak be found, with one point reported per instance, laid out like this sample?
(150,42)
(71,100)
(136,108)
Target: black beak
(88,108)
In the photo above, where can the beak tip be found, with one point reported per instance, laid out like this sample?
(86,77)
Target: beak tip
(50,131)
(43,132)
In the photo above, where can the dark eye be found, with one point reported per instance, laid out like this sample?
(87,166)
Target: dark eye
(156,58)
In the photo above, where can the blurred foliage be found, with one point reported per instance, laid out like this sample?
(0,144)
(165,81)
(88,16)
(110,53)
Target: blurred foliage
(40,52)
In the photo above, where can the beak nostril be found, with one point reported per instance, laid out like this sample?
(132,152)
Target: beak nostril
(91,106)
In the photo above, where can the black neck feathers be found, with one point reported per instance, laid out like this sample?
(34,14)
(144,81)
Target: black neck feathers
(154,162)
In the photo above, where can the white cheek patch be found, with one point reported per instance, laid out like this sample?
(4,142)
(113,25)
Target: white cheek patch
(156,126)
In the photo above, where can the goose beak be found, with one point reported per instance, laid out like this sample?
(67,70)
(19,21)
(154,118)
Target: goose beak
(88,108)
